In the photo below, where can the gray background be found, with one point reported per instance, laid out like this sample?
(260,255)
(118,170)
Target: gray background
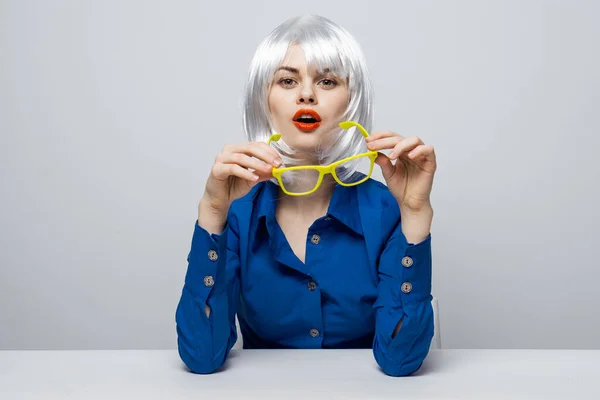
(111,114)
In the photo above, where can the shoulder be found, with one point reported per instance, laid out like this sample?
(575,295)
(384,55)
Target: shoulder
(375,195)
(378,208)
(242,208)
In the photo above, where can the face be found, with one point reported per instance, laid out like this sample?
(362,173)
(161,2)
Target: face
(305,104)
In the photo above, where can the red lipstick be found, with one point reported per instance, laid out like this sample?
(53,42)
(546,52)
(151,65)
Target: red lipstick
(307,119)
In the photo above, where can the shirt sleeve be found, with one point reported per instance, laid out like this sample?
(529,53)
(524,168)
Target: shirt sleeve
(212,279)
(403,293)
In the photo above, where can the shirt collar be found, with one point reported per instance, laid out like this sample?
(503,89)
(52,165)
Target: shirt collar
(343,206)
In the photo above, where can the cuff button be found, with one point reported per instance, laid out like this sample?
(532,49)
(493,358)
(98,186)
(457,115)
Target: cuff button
(208,281)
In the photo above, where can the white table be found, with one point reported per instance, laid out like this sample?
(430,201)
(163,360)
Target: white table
(306,374)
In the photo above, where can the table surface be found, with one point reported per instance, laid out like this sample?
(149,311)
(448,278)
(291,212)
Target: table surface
(289,374)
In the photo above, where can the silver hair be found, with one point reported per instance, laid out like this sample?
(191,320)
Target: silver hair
(325,45)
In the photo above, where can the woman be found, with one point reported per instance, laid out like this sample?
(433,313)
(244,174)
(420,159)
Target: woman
(303,264)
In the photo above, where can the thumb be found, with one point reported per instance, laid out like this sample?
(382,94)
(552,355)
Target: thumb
(387,168)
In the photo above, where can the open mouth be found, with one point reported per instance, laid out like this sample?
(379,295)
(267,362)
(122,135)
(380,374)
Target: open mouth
(307,119)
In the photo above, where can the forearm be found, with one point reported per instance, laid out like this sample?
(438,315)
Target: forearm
(403,352)
(404,319)
(416,226)
(204,336)
(203,342)
(397,328)
(212,220)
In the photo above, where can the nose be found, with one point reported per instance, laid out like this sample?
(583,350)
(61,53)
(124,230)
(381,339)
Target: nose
(307,96)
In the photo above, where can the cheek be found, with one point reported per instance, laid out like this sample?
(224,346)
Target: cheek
(276,105)
(338,102)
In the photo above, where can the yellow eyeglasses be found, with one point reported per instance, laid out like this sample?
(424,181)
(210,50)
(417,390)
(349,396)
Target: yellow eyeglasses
(294,180)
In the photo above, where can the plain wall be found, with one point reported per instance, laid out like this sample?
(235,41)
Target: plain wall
(112,112)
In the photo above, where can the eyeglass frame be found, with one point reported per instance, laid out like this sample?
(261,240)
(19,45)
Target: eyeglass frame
(326,169)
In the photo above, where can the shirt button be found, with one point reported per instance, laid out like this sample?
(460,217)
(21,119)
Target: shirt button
(314,332)
(315,239)
(406,287)
(209,281)
(407,262)
(327,218)
(312,285)
(212,255)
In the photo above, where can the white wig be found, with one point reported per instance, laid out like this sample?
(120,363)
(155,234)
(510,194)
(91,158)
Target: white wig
(325,45)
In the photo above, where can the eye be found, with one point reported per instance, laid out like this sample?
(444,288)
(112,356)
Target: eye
(329,83)
(287,81)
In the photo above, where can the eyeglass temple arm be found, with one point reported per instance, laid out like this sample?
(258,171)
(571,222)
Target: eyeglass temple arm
(274,137)
(350,124)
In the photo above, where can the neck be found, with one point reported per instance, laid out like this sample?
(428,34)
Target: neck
(314,203)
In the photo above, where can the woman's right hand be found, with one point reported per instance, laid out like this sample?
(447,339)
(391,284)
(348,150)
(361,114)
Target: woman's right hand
(231,178)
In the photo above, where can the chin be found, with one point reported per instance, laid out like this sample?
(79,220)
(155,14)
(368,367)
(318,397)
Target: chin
(304,142)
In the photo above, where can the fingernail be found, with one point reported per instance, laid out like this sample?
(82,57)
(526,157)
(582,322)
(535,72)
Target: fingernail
(277,163)
(392,155)
(411,154)
(254,177)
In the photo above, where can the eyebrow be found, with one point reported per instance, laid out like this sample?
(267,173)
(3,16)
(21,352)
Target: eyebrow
(290,69)
(296,71)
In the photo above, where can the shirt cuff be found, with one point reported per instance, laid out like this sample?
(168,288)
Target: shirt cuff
(415,269)
(206,254)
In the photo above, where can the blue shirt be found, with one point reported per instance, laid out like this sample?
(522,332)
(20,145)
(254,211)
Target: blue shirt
(359,279)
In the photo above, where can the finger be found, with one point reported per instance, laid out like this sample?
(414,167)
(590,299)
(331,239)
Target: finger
(259,150)
(425,151)
(404,146)
(264,175)
(245,161)
(223,171)
(387,168)
(384,143)
(382,134)
(263,149)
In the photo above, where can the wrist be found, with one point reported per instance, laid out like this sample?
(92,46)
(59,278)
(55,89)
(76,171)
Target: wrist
(215,206)
(423,208)
(416,225)
(212,216)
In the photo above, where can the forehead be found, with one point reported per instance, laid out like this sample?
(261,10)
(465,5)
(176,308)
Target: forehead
(296,57)
(294,54)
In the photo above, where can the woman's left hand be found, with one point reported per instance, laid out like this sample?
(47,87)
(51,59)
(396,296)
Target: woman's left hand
(410,179)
